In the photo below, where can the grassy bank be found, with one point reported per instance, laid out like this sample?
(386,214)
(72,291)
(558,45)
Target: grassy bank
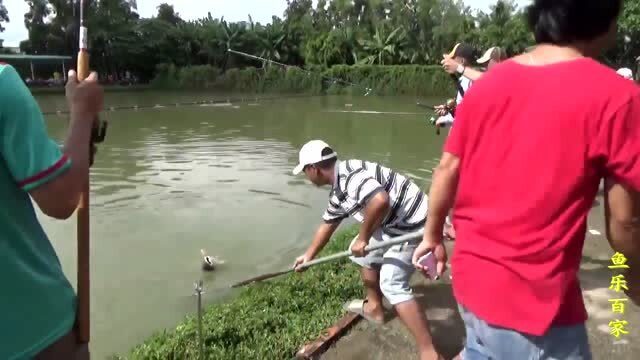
(265,321)
(415,80)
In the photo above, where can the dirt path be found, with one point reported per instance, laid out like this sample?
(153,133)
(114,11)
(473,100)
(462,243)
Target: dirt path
(393,341)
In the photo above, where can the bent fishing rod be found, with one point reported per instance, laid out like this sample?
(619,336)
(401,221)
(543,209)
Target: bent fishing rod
(450,105)
(338,256)
(83,230)
(367,90)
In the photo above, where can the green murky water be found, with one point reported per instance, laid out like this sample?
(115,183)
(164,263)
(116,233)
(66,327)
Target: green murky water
(170,181)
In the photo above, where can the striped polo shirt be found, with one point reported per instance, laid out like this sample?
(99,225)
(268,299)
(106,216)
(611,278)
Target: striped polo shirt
(357,181)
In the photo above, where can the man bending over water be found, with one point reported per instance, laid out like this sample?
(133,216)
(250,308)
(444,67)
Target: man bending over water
(387,204)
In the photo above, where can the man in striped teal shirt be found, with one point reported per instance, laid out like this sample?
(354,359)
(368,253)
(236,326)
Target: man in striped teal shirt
(38,304)
(387,204)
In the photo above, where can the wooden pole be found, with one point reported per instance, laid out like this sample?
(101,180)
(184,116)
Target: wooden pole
(83,230)
(337,256)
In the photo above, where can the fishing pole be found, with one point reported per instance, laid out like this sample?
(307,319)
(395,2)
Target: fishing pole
(395,241)
(83,231)
(367,90)
(450,104)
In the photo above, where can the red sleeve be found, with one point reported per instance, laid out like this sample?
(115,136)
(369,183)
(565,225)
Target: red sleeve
(455,141)
(618,141)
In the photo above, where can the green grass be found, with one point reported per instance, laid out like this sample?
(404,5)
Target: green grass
(271,320)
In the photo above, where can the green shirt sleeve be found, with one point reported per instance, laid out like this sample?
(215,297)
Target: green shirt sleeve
(30,155)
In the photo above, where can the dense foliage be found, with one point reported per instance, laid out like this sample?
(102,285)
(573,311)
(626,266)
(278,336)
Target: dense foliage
(381,32)
(265,321)
(4,16)
(414,80)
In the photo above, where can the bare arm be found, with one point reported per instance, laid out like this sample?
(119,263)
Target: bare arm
(622,220)
(375,211)
(441,196)
(321,238)
(60,197)
(472,74)
(451,66)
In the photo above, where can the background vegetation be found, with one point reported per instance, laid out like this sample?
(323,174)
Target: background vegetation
(338,32)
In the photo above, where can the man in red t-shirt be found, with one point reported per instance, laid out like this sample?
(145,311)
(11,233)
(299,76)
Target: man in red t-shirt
(521,168)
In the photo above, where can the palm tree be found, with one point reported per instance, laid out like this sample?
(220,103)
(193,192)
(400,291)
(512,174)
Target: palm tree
(382,47)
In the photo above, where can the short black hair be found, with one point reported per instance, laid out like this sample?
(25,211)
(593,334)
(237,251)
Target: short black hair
(466,52)
(325,164)
(561,22)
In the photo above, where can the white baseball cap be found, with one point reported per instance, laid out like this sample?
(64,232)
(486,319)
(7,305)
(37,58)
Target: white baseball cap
(311,153)
(625,73)
(487,55)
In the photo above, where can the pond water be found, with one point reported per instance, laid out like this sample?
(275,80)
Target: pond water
(170,181)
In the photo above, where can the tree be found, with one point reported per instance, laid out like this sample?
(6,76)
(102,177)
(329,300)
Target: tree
(384,32)
(384,47)
(168,14)
(4,16)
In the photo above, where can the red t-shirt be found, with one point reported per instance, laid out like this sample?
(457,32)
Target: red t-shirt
(534,143)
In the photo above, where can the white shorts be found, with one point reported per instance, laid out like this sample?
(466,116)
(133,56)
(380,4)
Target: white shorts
(394,264)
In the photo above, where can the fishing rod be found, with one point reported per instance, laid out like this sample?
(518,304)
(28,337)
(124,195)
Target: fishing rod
(98,133)
(396,241)
(450,105)
(368,90)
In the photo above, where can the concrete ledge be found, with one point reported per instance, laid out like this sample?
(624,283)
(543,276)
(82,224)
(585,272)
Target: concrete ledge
(314,349)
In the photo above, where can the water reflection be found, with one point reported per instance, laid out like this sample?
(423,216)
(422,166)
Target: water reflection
(168,182)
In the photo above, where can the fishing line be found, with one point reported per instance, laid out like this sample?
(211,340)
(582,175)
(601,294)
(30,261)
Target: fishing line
(367,90)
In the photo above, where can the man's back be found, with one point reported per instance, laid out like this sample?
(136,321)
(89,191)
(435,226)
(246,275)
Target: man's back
(37,305)
(358,180)
(534,143)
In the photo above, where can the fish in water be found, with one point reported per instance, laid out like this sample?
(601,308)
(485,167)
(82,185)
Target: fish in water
(209,263)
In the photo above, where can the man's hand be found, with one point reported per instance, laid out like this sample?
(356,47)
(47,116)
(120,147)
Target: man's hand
(441,110)
(301,260)
(85,97)
(437,247)
(449,65)
(358,248)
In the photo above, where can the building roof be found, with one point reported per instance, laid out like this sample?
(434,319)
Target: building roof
(35,58)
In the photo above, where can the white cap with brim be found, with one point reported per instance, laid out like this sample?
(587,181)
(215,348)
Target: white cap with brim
(487,56)
(311,153)
(625,73)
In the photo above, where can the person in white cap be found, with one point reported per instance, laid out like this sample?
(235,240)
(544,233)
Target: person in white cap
(625,73)
(491,57)
(387,204)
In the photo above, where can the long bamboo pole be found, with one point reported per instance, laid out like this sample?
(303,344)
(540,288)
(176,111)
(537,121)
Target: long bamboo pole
(341,255)
(83,230)
(83,224)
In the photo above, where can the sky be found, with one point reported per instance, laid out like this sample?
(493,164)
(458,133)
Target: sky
(232,10)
